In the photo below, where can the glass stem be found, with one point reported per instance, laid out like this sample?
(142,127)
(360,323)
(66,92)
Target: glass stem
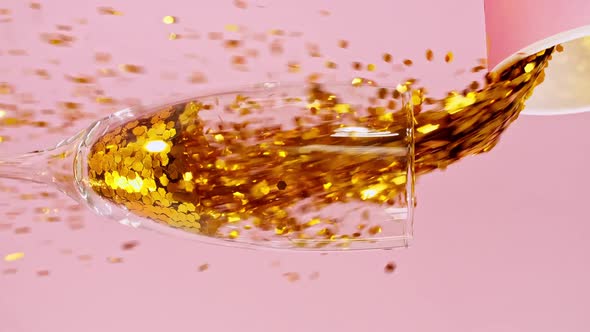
(54,167)
(30,167)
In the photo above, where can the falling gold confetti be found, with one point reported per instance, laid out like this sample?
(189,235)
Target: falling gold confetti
(80,79)
(449,57)
(294,67)
(429,55)
(129,245)
(276,47)
(387,57)
(104,100)
(291,276)
(6,89)
(343,44)
(232,28)
(477,69)
(241,4)
(371,67)
(313,50)
(169,19)
(427,128)
(215,35)
(42,73)
(17,52)
(14,256)
(115,260)
(85,258)
(232,43)
(109,11)
(57,39)
(128,68)
(330,65)
(529,67)
(64,27)
(238,60)
(43,273)
(22,230)
(9,271)
(198,78)
(559,48)
(276,32)
(203,267)
(390,267)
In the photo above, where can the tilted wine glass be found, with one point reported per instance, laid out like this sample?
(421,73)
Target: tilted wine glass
(292,166)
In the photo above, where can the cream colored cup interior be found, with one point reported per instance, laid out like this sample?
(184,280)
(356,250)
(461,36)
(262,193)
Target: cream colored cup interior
(566,88)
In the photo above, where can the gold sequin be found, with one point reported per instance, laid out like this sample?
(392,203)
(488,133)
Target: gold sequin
(169,19)
(449,57)
(429,55)
(14,256)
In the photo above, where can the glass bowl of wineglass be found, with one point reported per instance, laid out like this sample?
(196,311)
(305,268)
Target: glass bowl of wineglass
(279,166)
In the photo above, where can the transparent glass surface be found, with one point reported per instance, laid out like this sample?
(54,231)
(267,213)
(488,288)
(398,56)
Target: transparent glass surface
(289,166)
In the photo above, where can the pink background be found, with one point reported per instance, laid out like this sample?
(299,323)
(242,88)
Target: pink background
(501,239)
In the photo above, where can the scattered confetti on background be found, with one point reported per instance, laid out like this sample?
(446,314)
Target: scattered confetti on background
(63,65)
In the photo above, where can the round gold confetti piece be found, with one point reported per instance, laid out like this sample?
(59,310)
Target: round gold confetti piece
(387,57)
(203,267)
(169,19)
(408,62)
(429,55)
(390,267)
(281,185)
(371,67)
(449,57)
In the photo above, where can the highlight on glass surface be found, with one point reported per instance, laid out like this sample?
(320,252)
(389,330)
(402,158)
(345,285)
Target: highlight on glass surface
(296,166)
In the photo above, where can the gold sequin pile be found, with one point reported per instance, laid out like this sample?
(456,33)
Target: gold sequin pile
(224,180)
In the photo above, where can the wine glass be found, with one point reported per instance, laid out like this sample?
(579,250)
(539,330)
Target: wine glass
(280,166)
